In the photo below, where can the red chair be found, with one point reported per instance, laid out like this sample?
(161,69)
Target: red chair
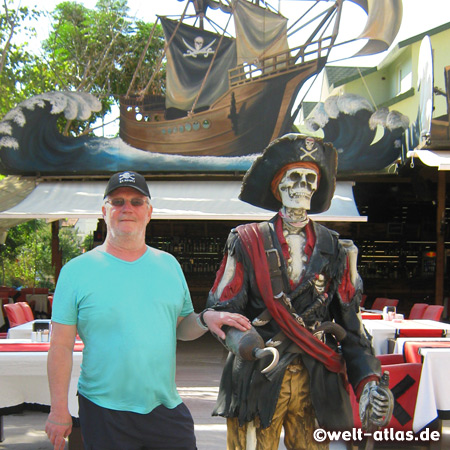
(391,358)
(371,316)
(417,311)
(380,302)
(15,314)
(404,384)
(411,349)
(419,332)
(433,312)
(27,311)
(50,304)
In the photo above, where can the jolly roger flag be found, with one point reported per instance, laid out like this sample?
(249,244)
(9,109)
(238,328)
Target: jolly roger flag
(188,58)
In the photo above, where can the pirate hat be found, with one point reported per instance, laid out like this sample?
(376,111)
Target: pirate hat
(288,149)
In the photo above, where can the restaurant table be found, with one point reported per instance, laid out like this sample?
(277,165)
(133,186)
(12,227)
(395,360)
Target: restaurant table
(23,374)
(24,331)
(433,396)
(383,330)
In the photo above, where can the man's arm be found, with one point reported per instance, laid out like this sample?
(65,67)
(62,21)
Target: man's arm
(59,369)
(188,328)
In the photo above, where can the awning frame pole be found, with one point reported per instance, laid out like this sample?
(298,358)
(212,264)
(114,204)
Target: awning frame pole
(440,237)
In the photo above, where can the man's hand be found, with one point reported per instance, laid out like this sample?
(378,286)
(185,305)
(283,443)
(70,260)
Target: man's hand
(58,427)
(375,406)
(215,320)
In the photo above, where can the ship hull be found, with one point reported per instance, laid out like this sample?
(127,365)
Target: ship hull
(241,122)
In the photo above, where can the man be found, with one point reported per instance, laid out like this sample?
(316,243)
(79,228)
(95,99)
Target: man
(298,284)
(129,303)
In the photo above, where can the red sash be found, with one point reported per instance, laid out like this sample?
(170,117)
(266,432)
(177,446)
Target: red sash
(253,243)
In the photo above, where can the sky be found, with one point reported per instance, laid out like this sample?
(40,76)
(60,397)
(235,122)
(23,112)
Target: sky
(418,16)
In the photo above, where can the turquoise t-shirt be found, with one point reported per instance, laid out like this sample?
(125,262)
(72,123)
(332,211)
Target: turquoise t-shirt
(126,315)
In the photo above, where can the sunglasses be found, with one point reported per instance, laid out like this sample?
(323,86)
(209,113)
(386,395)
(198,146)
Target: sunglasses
(118,202)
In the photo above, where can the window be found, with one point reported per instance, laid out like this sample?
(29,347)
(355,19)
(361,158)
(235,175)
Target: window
(404,80)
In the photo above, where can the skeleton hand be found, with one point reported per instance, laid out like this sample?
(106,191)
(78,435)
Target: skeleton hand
(375,405)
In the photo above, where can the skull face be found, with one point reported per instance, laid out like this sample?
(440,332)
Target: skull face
(297,188)
(198,42)
(310,142)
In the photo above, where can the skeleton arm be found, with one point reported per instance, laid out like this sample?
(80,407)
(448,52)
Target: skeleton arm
(352,253)
(228,274)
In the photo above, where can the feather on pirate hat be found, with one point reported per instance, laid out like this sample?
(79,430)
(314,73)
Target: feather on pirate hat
(283,152)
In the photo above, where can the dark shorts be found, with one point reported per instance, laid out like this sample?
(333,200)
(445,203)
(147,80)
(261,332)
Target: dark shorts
(160,429)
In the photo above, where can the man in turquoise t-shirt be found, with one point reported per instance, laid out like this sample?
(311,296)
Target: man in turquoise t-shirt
(129,303)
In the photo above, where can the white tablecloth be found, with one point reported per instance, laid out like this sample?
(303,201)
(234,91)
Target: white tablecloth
(434,387)
(383,330)
(23,378)
(23,331)
(40,302)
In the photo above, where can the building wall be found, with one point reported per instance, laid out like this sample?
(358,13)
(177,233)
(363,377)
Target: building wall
(394,83)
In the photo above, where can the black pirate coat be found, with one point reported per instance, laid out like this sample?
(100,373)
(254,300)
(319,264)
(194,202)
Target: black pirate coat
(247,393)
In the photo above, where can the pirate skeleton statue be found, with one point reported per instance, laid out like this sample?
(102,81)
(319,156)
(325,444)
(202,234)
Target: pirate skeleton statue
(298,283)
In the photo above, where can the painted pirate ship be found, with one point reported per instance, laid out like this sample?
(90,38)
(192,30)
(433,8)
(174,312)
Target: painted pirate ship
(232,95)
(224,131)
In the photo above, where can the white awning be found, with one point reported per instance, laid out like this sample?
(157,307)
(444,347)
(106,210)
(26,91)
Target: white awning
(188,200)
(432,158)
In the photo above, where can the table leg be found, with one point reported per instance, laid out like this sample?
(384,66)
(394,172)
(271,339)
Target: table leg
(2,434)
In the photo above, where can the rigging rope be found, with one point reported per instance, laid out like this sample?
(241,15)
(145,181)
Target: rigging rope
(367,88)
(210,65)
(158,66)
(138,67)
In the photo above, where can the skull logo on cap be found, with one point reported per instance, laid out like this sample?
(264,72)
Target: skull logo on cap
(126,177)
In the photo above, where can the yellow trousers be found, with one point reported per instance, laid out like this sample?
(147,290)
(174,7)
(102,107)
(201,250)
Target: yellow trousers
(294,412)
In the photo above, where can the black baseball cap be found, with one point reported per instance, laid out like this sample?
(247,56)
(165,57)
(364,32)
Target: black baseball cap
(127,179)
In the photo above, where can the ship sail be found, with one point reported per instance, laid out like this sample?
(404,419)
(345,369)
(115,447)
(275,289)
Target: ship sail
(383,23)
(188,59)
(259,32)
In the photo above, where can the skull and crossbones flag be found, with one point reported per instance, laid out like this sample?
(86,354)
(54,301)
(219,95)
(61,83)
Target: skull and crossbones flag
(188,58)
